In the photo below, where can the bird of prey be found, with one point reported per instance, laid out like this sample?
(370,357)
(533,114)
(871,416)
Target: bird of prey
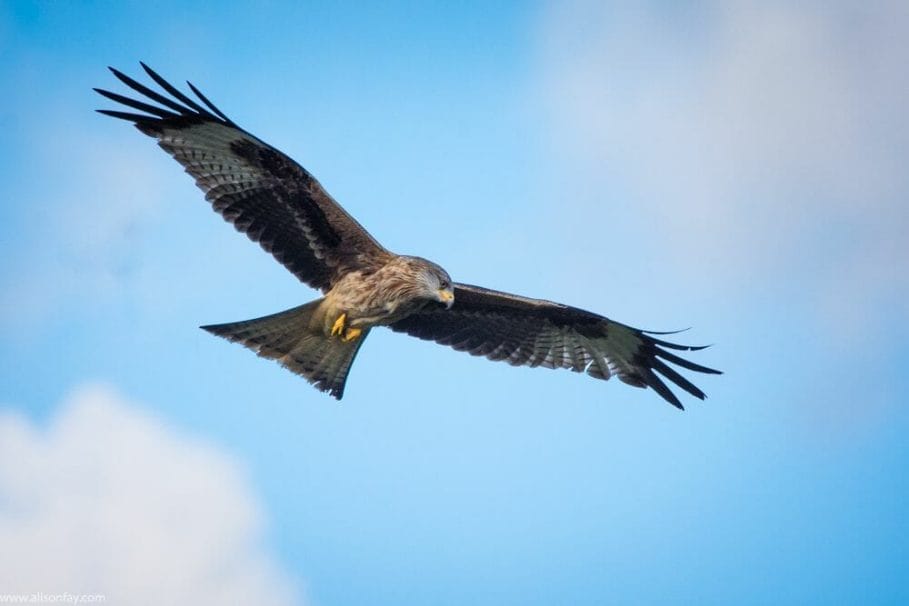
(278,203)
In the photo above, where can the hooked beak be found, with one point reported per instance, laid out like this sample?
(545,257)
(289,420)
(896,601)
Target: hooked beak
(446,296)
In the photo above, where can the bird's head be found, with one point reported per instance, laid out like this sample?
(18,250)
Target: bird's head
(436,283)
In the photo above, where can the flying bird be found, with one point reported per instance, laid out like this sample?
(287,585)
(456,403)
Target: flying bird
(277,203)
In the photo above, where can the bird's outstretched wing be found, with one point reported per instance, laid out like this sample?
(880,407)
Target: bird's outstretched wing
(258,189)
(533,332)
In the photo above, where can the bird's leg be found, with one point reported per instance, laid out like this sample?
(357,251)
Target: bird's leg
(342,329)
(351,333)
(338,327)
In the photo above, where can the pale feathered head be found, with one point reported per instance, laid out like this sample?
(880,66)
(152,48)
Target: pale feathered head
(433,282)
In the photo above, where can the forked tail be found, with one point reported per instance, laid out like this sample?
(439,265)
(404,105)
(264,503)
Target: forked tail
(296,341)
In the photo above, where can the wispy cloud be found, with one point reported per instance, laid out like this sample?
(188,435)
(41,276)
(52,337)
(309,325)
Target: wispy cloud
(109,500)
(85,217)
(761,139)
(80,210)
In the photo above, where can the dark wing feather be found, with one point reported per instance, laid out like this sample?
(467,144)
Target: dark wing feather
(261,191)
(533,332)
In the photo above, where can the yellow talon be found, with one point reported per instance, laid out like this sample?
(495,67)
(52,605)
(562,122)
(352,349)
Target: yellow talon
(351,334)
(338,327)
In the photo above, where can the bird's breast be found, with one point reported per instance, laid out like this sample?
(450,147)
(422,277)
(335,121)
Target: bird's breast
(381,297)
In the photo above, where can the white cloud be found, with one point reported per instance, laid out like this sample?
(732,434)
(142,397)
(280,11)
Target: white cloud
(759,139)
(110,500)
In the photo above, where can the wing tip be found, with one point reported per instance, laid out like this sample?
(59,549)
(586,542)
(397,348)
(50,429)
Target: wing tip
(178,106)
(652,358)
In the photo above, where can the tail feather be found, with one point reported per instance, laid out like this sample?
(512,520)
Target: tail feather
(298,343)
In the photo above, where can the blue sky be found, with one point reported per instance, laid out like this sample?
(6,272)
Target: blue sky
(737,168)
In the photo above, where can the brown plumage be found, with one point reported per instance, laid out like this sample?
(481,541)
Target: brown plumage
(277,203)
